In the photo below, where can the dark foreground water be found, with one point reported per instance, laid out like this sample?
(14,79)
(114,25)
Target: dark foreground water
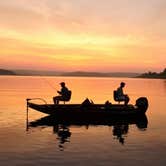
(117,144)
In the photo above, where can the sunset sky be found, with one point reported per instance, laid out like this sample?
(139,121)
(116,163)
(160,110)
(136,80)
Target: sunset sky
(89,35)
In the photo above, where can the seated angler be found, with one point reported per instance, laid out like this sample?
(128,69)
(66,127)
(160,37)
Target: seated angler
(64,94)
(120,95)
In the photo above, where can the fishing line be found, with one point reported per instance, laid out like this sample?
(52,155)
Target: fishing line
(46,81)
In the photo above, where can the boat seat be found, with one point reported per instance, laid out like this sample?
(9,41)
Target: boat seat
(115,95)
(68,97)
(64,101)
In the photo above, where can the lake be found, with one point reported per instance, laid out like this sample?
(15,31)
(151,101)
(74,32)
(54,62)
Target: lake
(96,145)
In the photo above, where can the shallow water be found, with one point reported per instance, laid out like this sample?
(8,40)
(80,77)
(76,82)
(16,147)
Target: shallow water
(120,144)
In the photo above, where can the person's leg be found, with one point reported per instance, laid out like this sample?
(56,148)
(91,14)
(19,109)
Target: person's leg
(56,99)
(126,99)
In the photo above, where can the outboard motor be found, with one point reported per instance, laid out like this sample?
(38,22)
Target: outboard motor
(142,104)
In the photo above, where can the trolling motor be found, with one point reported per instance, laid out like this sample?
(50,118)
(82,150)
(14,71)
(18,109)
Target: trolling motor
(28,99)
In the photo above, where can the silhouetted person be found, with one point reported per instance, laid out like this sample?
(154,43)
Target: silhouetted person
(64,94)
(120,95)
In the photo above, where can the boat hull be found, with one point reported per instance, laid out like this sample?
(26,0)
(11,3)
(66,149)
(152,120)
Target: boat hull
(95,111)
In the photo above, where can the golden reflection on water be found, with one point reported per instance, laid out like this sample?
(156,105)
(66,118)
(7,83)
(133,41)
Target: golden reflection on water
(15,140)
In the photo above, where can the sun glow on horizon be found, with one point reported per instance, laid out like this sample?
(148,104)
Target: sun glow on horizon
(80,36)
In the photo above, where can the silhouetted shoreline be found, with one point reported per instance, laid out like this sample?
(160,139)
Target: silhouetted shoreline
(6,72)
(70,74)
(161,75)
(153,75)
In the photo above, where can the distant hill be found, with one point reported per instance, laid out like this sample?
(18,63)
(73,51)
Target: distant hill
(6,72)
(99,74)
(161,75)
(74,74)
(37,73)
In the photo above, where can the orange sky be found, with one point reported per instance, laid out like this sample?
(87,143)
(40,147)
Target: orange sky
(95,35)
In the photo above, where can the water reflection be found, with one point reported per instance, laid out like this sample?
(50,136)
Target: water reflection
(120,127)
(164,84)
(63,135)
(120,131)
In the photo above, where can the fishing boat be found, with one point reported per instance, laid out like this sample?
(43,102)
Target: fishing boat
(90,111)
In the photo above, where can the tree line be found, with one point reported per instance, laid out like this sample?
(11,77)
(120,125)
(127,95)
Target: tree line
(154,74)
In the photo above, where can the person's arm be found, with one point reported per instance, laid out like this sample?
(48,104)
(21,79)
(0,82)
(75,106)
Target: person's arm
(59,92)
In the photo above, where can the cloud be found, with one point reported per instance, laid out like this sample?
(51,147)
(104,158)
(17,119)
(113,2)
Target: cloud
(107,17)
(22,19)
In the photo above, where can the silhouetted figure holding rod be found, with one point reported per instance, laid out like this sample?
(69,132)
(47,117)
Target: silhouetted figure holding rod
(65,94)
(120,95)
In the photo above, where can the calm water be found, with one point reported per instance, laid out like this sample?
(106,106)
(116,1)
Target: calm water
(80,145)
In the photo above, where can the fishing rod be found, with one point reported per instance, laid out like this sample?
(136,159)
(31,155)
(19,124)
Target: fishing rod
(46,81)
